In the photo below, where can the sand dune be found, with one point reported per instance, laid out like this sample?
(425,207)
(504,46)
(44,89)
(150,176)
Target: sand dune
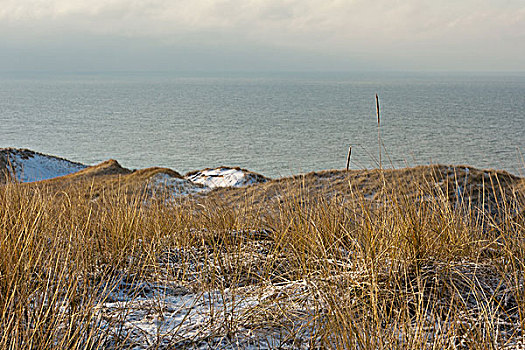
(28,166)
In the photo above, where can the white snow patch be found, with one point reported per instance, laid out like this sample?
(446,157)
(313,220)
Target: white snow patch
(175,318)
(225,177)
(30,166)
(175,186)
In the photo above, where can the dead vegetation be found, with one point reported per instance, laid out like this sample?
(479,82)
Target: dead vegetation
(428,257)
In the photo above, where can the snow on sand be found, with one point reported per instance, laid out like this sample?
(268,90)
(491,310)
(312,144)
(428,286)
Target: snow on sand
(29,166)
(175,186)
(225,177)
(204,181)
(174,317)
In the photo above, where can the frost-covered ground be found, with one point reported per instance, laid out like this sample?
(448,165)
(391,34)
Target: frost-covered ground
(204,181)
(168,313)
(29,166)
(241,318)
(225,177)
(180,307)
(176,187)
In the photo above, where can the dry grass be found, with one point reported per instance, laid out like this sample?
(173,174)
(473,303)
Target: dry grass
(434,258)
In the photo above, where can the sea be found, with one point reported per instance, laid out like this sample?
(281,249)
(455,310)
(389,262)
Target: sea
(276,124)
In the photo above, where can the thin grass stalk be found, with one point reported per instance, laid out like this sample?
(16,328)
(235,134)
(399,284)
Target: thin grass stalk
(379,132)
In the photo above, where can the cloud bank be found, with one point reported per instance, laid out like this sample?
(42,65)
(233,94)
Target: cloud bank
(263,34)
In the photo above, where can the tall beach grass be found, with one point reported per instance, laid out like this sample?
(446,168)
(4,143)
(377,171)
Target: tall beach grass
(399,269)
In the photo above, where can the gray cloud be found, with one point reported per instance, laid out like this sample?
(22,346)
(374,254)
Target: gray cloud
(315,34)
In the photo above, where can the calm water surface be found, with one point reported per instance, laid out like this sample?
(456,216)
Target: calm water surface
(273,124)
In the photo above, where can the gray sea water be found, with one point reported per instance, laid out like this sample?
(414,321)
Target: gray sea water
(275,124)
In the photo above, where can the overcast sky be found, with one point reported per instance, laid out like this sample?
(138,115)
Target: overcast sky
(289,35)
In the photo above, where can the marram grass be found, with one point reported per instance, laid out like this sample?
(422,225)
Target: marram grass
(306,269)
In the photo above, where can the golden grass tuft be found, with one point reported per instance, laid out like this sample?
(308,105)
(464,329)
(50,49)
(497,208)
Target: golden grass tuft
(431,258)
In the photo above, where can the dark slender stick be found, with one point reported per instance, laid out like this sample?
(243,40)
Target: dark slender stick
(348,158)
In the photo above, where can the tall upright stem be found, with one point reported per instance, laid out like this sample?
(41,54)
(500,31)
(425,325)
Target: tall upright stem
(379,132)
